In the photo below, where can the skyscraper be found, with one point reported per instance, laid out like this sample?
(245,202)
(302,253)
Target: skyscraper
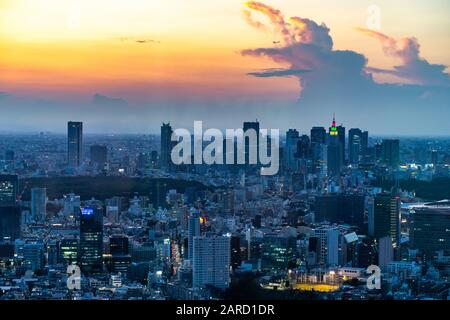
(430,227)
(211,261)
(318,139)
(38,204)
(99,155)
(33,255)
(386,217)
(334,150)
(341,136)
(193,230)
(68,250)
(254,126)
(340,208)
(354,146)
(278,251)
(290,151)
(91,239)
(329,245)
(166,146)
(390,152)
(9,184)
(10,213)
(318,135)
(75,143)
(120,257)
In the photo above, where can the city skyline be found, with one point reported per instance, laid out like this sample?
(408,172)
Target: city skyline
(163,62)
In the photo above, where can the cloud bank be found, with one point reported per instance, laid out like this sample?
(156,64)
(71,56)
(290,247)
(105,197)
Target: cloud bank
(342,81)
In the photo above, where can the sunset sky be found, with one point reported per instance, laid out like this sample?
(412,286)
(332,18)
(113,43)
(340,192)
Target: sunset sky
(126,66)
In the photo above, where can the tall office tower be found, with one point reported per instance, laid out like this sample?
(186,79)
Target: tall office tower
(386,218)
(290,150)
(329,245)
(334,151)
(318,139)
(91,239)
(385,252)
(75,143)
(38,204)
(10,214)
(235,254)
(340,208)
(193,231)
(390,152)
(303,147)
(355,142)
(52,252)
(364,147)
(166,146)
(342,142)
(278,251)
(318,135)
(10,221)
(434,157)
(99,156)
(9,184)
(247,126)
(33,256)
(68,250)
(211,261)
(120,256)
(430,227)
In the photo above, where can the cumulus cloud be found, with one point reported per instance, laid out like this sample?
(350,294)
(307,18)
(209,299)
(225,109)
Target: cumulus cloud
(342,81)
(413,67)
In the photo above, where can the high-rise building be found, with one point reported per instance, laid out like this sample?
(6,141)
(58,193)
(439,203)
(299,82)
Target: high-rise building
(9,184)
(10,213)
(166,146)
(38,204)
(75,143)
(68,250)
(318,135)
(33,256)
(385,252)
(278,251)
(342,142)
(318,140)
(211,261)
(120,257)
(357,145)
(430,227)
(328,238)
(303,147)
(10,221)
(386,218)
(254,126)
(390,152)
(334,150)
(99,156)
(235,254)
(193,231)
(52,252)
(290,150)
(340,208)
(91,239)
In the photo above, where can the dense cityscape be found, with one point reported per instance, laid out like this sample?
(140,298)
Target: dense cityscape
(110,217)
